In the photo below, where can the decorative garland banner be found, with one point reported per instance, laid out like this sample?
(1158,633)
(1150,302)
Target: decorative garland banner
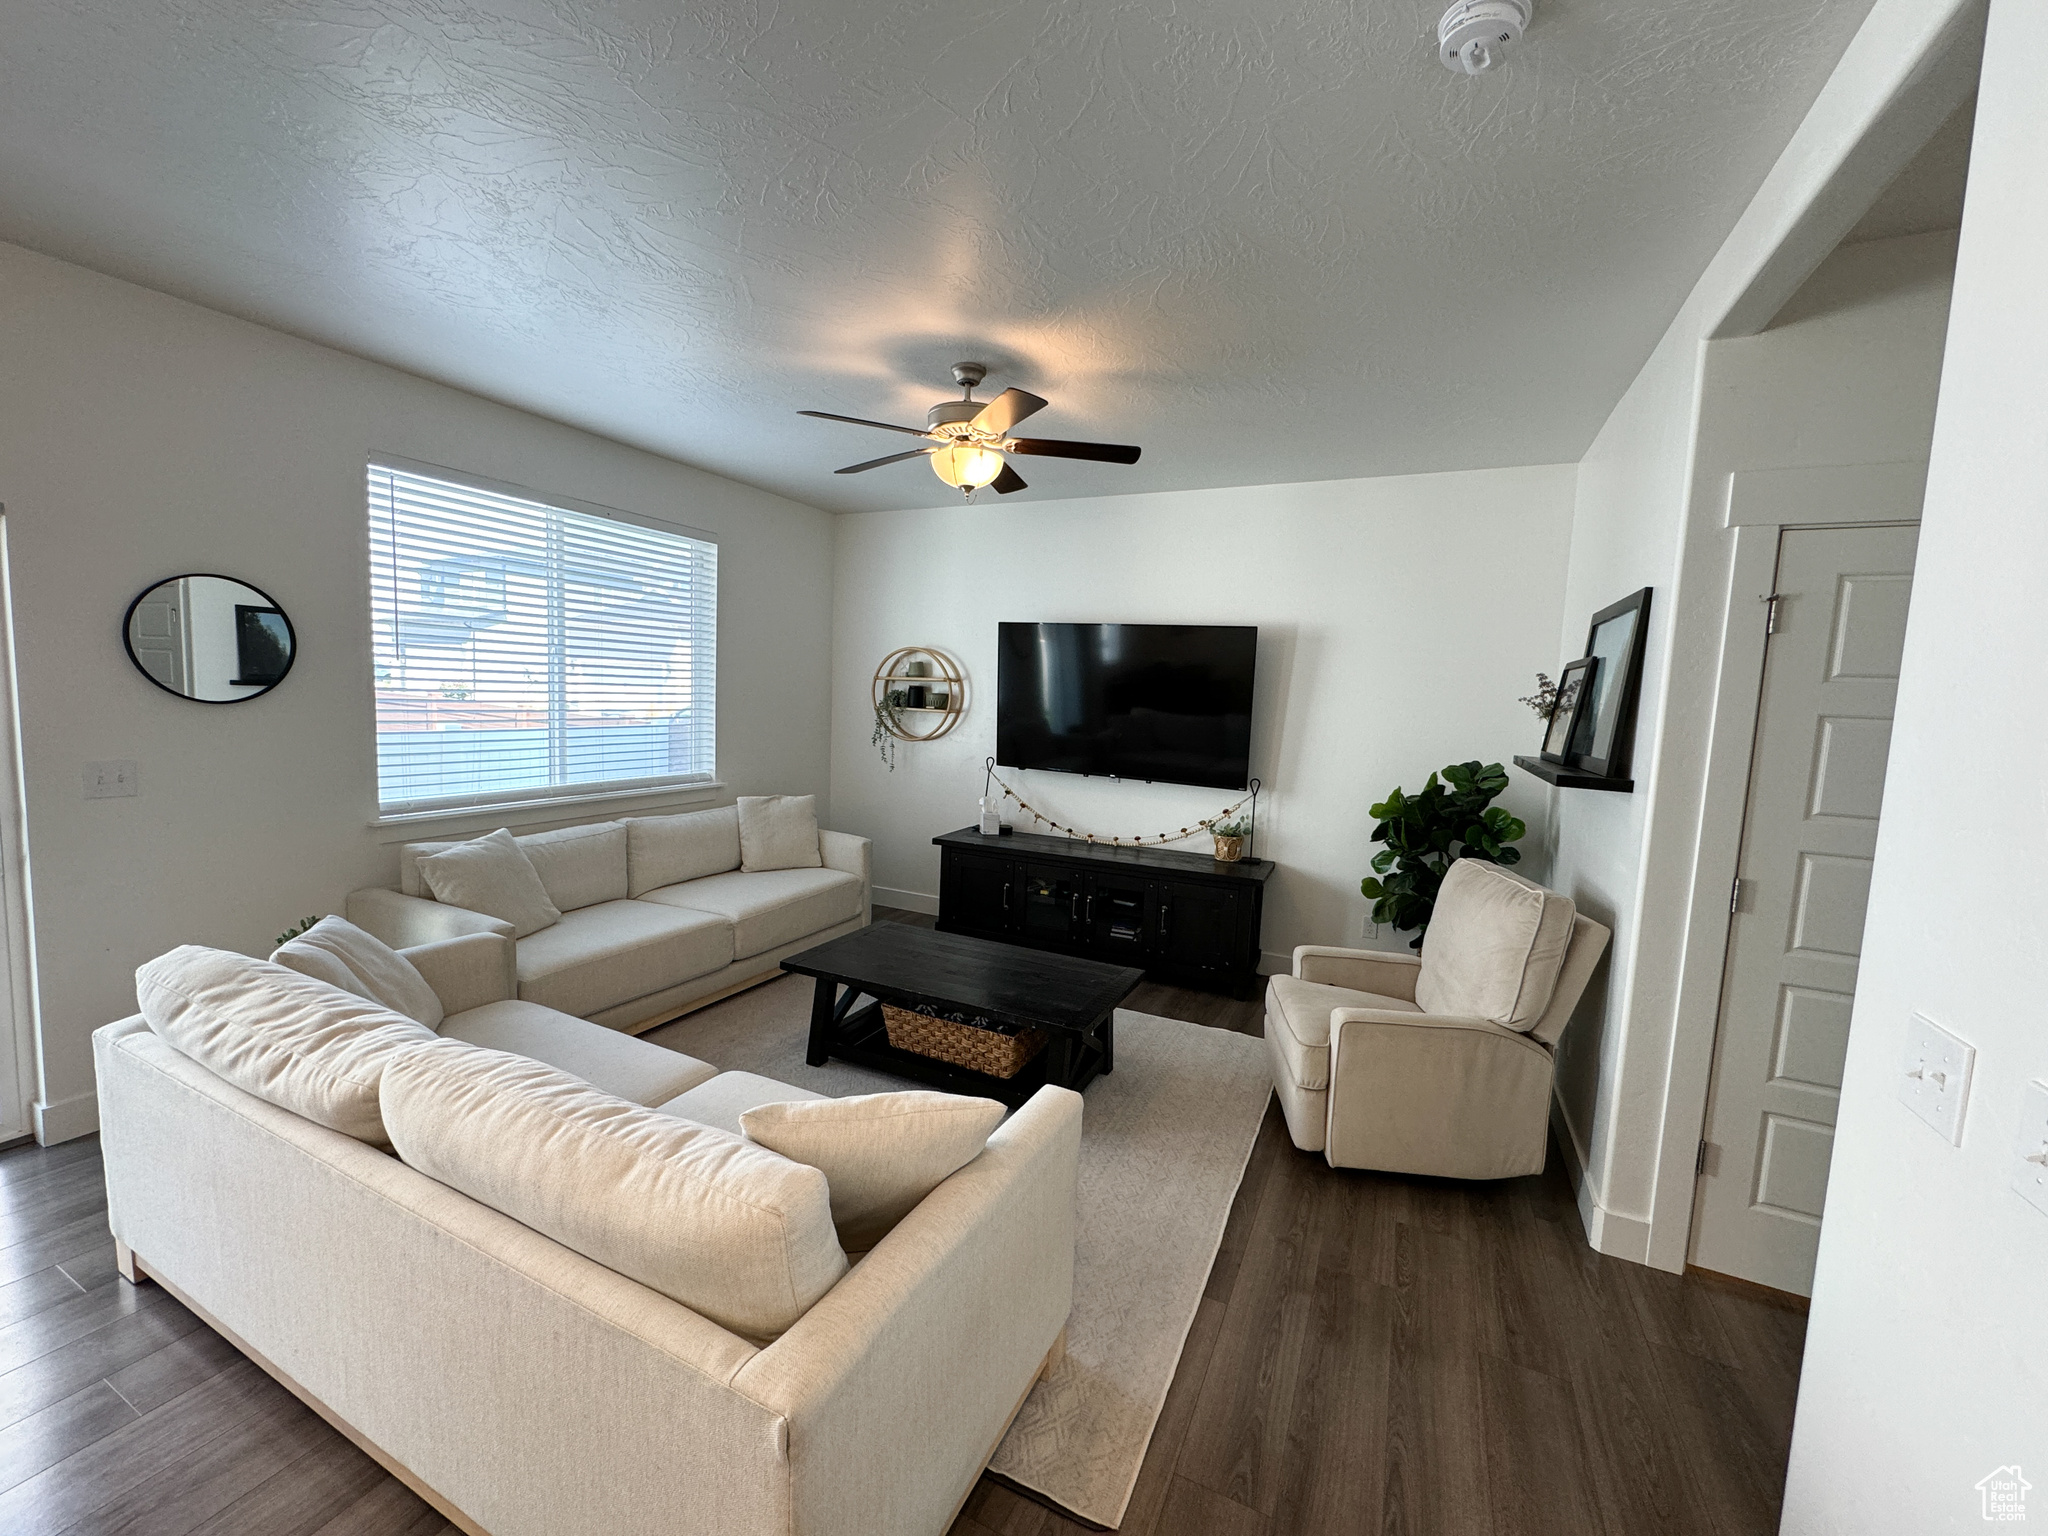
(1137,841)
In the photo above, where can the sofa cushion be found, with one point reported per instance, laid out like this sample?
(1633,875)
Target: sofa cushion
(604,1058)
(579,866)
(491,875)
(768,907)
(661,850)
(720,1101)
(339,953)
(881,1153)
(733,1231)
(598,957)
(1494,946)
(1298,1022)
(292,1041)
(779,832)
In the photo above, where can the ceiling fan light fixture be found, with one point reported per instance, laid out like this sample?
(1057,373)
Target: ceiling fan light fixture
(966,466)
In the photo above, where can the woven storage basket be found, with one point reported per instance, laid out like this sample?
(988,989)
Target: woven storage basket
(979,1050)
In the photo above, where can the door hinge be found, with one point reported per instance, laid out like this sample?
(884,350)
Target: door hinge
(1735,895)
(1708,1163)
(1770,611)
(1699,1163)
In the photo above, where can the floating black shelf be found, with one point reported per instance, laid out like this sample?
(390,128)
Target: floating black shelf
(1572,778)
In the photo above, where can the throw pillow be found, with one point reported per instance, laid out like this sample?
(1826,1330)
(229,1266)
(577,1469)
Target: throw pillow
(779,832)
(339,953)
(491,875)
(881,1153)
(730,1230)
(293,1041)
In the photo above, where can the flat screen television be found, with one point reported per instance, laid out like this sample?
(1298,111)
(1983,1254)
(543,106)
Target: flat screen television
(1165,702)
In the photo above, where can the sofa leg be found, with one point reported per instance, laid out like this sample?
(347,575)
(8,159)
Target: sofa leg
(127,1265)
(1054,1356)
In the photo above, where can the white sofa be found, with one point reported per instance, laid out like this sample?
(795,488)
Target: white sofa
(657,915)
(526,1390)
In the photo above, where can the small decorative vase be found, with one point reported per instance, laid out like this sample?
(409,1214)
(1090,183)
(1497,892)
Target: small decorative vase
(1228,849)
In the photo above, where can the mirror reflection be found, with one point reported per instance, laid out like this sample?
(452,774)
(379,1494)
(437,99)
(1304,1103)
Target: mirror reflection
(210,638)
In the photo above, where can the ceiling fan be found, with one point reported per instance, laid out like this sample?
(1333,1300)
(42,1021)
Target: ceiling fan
(971,437)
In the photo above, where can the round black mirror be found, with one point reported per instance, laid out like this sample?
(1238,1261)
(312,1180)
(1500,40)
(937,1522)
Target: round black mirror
(209,638)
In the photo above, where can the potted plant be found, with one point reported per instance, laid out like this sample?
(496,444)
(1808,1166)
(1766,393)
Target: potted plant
(1451,818)
(1230,834)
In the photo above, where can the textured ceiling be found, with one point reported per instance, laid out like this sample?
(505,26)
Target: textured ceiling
(1268,242)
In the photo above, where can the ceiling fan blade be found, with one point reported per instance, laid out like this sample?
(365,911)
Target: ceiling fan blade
(1009,480)
(1055,448)
(894,458)
(1007,409)
(862,421)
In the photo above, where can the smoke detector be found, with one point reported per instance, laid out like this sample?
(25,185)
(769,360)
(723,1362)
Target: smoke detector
(1473,33)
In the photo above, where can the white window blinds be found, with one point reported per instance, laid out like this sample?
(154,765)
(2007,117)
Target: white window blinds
(524,650)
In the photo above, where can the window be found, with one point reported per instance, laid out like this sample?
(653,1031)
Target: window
(524,650)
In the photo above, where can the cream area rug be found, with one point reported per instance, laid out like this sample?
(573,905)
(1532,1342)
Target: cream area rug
(1164,1143)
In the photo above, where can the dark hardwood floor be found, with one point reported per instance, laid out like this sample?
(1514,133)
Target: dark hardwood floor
(1373,1353)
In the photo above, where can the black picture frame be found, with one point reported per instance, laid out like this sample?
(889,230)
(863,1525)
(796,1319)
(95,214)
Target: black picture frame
(1573,686)
(1603,735)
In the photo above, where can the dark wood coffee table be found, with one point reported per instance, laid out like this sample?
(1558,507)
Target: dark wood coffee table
(1072,1000)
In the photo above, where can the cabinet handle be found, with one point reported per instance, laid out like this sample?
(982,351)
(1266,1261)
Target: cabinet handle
(1006,896)
(1165,919)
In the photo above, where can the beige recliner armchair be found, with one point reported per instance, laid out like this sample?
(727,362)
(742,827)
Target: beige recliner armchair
(1437,1063)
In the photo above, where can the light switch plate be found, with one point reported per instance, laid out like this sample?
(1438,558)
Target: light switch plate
(112,781)
(1935,1076)
(2030,1148)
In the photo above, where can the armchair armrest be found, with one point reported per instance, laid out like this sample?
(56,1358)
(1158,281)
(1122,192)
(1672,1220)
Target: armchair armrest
(1445,1094)
(403,921)
(1362,970)
(902,1378)
(853,855)
(469,970)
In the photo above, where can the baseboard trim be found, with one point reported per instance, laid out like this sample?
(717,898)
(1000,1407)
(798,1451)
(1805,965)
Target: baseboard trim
(67,1119)
(1608,1232)
(906,901)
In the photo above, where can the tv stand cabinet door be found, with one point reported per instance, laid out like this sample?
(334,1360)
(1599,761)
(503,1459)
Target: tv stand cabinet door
(979,893)
(1204,927)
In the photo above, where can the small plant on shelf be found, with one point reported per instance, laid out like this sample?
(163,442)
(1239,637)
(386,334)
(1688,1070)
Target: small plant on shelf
(1544,699)
(1230,833)
(884,738)
(1451,818)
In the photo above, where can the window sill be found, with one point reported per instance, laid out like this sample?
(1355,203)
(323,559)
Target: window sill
(407,826)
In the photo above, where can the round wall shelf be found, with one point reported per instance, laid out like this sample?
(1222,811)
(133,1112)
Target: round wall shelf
(918,672)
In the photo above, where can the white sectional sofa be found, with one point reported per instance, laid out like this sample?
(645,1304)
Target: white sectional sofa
(526,1389)
(657,915)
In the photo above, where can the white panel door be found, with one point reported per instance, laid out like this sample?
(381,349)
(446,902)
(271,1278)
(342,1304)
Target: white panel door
(1816,782)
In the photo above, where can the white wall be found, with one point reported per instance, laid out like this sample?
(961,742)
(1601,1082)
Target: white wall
(1847,376)
(142,437)
(1928,1344)
(1399,619)
(1629,860)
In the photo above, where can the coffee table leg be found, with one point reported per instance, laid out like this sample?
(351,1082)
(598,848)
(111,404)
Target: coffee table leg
(821,1022)
(1109,1043)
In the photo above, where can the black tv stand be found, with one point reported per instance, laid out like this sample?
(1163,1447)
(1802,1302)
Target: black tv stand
(1183,917)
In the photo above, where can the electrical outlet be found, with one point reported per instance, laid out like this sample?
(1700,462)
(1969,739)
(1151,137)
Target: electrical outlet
(1936,1081)
(112,781)
(2030,1148)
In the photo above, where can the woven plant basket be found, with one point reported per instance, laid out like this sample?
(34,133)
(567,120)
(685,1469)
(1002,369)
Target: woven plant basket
(979,1050)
